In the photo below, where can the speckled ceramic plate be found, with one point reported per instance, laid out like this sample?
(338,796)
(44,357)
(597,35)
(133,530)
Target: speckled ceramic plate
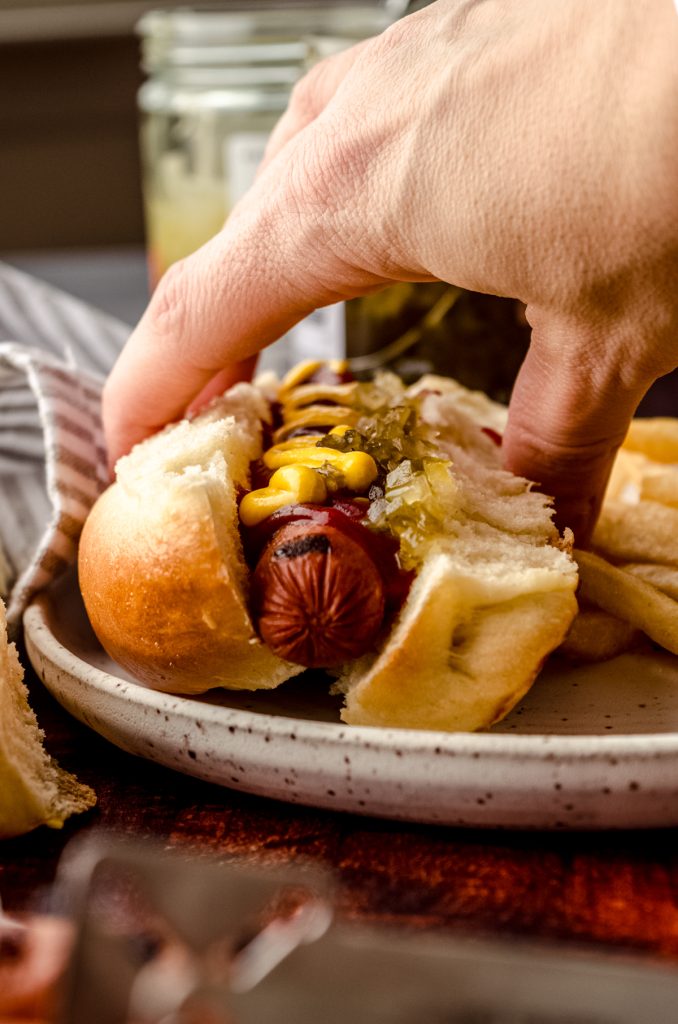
(594,747)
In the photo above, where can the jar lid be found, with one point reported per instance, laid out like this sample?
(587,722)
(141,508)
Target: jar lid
(260,33)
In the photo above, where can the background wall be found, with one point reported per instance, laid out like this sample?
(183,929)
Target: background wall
(69,172)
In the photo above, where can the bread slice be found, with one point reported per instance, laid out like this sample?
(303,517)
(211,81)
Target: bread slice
(165,582)
(161,565)
(491,601)
(34,790)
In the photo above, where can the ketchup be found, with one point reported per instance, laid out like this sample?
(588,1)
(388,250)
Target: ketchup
(493,435)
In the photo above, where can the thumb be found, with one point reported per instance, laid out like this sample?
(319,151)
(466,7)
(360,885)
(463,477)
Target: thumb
(570,410)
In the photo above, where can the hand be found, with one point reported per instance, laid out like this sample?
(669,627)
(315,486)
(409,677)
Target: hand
(526,150)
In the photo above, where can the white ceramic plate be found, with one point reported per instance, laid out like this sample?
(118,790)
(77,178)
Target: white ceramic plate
(595,747)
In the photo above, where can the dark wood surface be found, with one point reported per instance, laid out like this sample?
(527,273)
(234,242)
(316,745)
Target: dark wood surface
(611,890)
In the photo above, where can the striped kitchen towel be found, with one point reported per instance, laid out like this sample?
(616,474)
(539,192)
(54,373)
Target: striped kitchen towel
(54,354)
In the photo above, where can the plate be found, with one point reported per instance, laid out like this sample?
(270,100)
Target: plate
(592,747)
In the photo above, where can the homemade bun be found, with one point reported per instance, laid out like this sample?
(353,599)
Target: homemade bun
(161,566)
(34,790)
(489,604)
(166,586)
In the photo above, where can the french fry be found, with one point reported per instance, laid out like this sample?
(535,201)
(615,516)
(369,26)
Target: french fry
(636,478)
(638,530)
(627,473)
(663,577)
(655,437)
(629,598)
(596,635)
(646,532)
(661,486)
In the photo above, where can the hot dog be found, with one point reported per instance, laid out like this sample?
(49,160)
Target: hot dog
(323,581)
(320,522)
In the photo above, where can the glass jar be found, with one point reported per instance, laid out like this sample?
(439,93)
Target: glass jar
(218,80)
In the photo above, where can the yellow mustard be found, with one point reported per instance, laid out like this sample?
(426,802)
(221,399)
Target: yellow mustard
(297,478)
(300,373)
(299,464)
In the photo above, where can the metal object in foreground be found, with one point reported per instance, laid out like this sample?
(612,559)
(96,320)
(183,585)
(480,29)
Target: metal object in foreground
(165,940)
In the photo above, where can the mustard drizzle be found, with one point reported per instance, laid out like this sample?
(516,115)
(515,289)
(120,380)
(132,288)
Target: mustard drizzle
(303,471)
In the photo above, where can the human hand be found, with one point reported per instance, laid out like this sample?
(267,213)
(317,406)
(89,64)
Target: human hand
(526,150)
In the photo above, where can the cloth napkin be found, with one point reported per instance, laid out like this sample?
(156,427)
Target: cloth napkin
(54,354)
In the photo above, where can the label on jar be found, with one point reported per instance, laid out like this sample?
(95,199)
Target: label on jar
(243,152)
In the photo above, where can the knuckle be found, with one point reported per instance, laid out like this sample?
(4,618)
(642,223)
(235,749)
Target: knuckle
(181,318)
(328,199)
(169,309)
(305,99)
(323,186)
(311,93)
(564,447)
(394,40)
(389,40)
(333,167)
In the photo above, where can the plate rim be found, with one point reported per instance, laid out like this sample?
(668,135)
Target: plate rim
(574,747)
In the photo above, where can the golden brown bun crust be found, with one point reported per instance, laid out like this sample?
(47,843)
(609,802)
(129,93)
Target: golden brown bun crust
(452,666)
(161,597)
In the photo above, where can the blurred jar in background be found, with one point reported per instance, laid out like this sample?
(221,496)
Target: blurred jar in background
(217,82)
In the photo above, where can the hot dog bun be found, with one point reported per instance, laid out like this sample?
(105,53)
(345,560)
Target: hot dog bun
(489,604)
(166,586)
(161,566)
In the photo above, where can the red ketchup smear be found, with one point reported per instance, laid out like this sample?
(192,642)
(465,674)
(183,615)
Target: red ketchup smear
(347,515)
(260,476)
(493,435)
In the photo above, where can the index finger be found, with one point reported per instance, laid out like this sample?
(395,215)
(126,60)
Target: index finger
(269,267)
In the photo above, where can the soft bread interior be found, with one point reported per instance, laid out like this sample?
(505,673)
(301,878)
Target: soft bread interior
(34,790)
(205,459)
(491,601)
(487,493)
(475,405)
(161,563)
(454,663)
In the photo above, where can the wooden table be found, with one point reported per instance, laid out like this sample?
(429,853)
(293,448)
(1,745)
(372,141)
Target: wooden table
(613,890)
